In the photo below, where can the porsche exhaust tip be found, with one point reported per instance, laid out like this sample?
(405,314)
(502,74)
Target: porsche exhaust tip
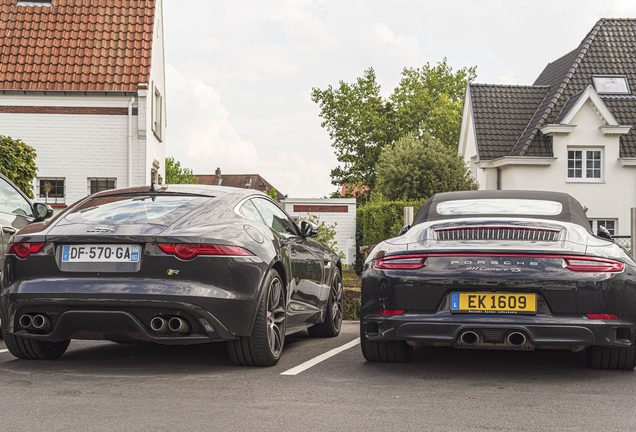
(178,325)
(159,325)
(516,339)
(41,322)
(26,321)
(469,338)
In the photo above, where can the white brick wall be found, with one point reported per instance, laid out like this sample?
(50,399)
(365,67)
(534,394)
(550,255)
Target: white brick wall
(346,228)
(80,146)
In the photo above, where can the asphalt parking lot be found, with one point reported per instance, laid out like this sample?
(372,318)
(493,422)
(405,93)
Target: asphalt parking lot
(102,386)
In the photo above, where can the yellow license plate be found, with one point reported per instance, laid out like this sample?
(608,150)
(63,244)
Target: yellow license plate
(493,303)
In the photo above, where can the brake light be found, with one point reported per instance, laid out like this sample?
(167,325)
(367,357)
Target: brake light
(592,265)
(188,251)
(602,316)
(390,312)
(400,262)
(23,250)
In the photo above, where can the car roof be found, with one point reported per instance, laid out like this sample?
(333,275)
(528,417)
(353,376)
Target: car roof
(196,189)
(572,211)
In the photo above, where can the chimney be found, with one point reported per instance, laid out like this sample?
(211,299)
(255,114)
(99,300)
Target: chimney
(217,176)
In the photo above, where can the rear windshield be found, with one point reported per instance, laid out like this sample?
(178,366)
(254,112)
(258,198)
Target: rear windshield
(155,209)
(500,207)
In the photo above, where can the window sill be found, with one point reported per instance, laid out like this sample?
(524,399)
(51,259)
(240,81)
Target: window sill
(588,181)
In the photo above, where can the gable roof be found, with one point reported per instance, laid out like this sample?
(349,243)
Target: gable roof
(83,45)
(504,112)
(608,49)
(242,181)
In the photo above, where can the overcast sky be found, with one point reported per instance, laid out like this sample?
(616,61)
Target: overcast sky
(240,73)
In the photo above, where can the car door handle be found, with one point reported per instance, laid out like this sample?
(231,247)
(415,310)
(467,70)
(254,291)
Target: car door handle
(8,230)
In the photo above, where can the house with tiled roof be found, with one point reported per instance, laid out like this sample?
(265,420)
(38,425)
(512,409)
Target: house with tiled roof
(243,181)
(571,131)
(83,82)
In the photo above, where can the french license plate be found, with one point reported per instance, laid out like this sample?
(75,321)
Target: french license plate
(493,303)
(101,253)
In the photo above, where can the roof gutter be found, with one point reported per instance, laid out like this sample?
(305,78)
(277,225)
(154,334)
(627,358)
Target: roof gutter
(516,160)
(68,92)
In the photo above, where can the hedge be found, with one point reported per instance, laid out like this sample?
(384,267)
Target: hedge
(378,221)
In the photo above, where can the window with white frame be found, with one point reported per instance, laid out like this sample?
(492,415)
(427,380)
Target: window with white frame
(157,111)
(585,164)
(50,190)
(101,184)
(611,84)
(610,224)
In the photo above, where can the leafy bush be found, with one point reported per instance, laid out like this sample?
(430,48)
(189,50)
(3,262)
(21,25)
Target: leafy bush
(379,220)
(177,175)
(326,232)
(17,163)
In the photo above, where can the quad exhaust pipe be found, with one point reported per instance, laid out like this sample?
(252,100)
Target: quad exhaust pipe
(175,324)
(36,322)
(178,325)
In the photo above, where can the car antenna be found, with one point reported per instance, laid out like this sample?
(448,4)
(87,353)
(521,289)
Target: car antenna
(154,187)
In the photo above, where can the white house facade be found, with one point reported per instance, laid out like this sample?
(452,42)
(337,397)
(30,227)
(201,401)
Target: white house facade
(571,131)
(85,86)
(341,211)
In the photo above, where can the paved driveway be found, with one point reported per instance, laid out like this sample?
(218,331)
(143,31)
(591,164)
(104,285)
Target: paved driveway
(100,386)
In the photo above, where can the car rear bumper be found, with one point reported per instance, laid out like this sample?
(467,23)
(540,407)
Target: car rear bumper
(541,331)
(121,310)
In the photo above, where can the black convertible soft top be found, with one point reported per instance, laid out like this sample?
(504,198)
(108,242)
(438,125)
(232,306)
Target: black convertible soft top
(572,211)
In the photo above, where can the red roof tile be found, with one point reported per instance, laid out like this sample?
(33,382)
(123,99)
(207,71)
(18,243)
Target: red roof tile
(103,45)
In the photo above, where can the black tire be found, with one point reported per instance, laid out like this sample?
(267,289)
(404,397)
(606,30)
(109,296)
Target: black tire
(265,345)
(335,308)
(611,358)
(32,349)
(385,352)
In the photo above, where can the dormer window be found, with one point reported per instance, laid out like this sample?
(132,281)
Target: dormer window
(611,84)
(34,2)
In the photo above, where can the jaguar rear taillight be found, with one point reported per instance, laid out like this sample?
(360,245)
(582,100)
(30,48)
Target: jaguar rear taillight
(593,265)
(23,250)
(188,251)
(401,262)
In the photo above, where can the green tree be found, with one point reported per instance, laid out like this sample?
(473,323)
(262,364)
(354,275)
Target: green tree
(361,123)
(326,232)
(177,175)
(414,168)
(17,163)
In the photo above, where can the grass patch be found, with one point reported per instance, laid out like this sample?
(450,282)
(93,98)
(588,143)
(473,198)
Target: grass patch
(351,288)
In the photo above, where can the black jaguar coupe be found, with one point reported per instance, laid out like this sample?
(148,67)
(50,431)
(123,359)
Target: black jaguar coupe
(175,265)
(515,270)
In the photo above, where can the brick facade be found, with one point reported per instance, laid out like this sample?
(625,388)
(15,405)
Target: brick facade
(320,209)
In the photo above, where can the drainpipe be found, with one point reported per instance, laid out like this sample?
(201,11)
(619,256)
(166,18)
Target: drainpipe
(130,120)
(498,178)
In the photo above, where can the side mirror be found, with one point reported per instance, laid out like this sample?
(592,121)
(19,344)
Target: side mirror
(404,229)
(604,233)
(42,211)
(307,229)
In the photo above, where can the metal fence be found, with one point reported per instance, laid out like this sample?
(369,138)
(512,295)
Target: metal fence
(624,241)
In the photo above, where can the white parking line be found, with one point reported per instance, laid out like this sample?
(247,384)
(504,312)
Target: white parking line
(322,357)
(4,351)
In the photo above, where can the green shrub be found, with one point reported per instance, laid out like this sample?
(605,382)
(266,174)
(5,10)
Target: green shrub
(351,304)
(17,163)
(379,220)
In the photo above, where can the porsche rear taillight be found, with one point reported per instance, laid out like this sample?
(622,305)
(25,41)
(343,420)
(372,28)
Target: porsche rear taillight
(23,250)
(400,262)
(593,265)
(188,251)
